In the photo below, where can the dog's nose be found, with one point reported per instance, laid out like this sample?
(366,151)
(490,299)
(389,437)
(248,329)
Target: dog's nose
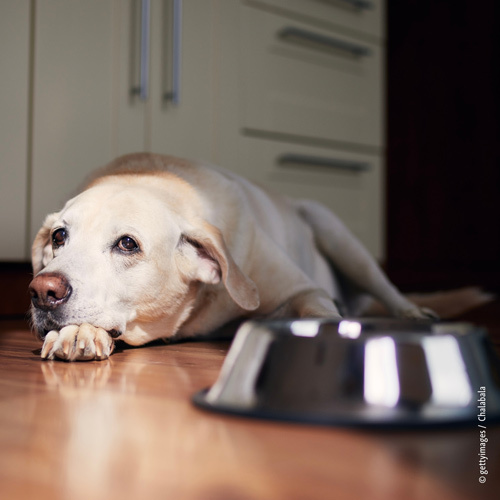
(49,290)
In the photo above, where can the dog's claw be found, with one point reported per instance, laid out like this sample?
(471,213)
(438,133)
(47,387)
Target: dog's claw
(78,343)
(418,313)
(98,350)
(50,340)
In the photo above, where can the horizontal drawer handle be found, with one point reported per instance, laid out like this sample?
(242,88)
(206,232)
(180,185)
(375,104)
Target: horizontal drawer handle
(306,37)
(359,4)
(319,161)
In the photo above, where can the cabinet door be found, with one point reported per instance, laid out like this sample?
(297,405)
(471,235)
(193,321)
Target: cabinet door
(184,128)
(73,101)
(349,183)
(14,73)
(132,110)
(308,82)
(155,122)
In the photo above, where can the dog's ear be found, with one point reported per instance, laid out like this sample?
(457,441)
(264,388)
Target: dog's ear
(204,247)
(41,251)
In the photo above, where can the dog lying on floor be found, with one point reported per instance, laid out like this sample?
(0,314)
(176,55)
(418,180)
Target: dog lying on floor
(158,247)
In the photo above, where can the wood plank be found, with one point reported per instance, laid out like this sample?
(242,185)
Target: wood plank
(125,428)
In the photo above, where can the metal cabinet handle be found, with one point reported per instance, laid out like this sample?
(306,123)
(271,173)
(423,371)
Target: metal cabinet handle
(306,37)
(174,94)
(143,89)
(360,4)
(293,159)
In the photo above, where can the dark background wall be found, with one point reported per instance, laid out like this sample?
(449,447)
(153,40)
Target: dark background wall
(443,178)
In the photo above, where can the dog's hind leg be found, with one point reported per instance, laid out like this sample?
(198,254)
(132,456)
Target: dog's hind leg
(352,259)
(314,303)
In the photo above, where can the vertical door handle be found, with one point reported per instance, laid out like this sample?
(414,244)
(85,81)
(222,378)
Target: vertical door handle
(143,89)
(173,94)
(144,72)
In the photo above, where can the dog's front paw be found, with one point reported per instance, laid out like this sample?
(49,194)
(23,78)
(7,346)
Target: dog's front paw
(78,343)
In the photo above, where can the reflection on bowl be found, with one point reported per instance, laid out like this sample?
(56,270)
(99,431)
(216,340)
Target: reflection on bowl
(359,372)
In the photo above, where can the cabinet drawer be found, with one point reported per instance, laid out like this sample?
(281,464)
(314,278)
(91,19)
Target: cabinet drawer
(363,16)
(308,82)
(348,183)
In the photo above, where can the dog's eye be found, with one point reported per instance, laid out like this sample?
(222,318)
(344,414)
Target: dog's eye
(59,237)
(127,244)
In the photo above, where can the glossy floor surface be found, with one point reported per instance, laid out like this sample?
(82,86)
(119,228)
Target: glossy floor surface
(125,428)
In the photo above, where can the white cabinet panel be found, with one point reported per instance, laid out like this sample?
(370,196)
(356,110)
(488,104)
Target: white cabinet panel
(302,81)
(365,17)
(14,73)
(183,128)
(257,77)
(72,99)
(258,126)
(351,184)
(130,113)
(85,65)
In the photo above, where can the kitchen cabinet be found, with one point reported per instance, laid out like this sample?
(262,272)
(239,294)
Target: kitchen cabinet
(81,105)
(14,126)
(304,81)
(73,81)
(176,117)
(303,106)
(286,93)
(88,87)
(349,182)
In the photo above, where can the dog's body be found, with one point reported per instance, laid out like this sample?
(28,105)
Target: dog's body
(157,247)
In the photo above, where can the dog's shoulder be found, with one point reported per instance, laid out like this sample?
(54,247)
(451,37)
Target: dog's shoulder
(203,177)
(140,164)
(212,187)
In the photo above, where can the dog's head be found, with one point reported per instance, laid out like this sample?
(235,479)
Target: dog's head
(131,249)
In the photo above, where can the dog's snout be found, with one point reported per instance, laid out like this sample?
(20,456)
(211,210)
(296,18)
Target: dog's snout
(49,290)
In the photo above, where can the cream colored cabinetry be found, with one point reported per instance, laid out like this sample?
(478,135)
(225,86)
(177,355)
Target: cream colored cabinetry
(72,99)
(285,92)
(14,70)
(90,102)
(71,102)
(348,182)
(177,115)
(306,79)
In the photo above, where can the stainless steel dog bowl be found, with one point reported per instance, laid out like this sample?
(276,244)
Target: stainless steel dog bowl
(359,373)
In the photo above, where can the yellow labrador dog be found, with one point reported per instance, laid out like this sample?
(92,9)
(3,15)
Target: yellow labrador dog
(158,247)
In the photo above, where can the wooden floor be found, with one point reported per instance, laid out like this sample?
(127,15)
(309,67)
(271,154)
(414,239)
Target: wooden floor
(125,428)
